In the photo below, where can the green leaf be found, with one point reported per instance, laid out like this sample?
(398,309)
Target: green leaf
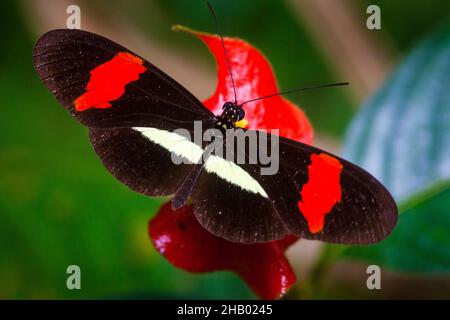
(402,136)
(420,242)
(59,206)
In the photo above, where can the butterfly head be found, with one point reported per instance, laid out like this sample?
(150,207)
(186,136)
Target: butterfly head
(231,115)
(232,112)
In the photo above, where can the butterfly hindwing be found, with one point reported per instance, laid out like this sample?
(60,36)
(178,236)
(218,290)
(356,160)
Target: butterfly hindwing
(138,162)
(313,194)
(103,84)
(227,200)
(231,204)
(321,196)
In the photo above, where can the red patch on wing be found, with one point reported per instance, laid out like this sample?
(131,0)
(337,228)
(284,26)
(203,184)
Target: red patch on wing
(322,191)
(108,81)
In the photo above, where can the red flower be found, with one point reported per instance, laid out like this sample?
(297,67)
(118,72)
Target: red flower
(178,236)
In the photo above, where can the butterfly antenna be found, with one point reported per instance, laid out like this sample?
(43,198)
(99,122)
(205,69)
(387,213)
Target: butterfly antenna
(224,50)
(297,90)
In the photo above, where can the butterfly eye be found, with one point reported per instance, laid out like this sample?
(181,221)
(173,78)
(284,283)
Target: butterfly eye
(227,105)
(241,114)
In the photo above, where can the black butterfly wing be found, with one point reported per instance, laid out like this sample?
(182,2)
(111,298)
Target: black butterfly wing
(117,94)
(142,164)
(321,196)
(231,204)
(103,84)
(313,195)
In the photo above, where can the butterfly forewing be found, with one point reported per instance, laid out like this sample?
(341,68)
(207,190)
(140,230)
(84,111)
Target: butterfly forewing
(103,84)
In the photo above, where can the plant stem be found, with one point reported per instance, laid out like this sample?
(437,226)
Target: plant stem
(312,287)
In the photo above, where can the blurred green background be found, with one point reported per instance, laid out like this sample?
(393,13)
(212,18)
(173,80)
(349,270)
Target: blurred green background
(59,206)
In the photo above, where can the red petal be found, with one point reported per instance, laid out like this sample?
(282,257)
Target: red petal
(180,238)
(253,78)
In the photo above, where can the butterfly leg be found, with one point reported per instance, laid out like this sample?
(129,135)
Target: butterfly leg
(185,189)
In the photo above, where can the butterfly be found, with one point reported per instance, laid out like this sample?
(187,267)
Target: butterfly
(133,110)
